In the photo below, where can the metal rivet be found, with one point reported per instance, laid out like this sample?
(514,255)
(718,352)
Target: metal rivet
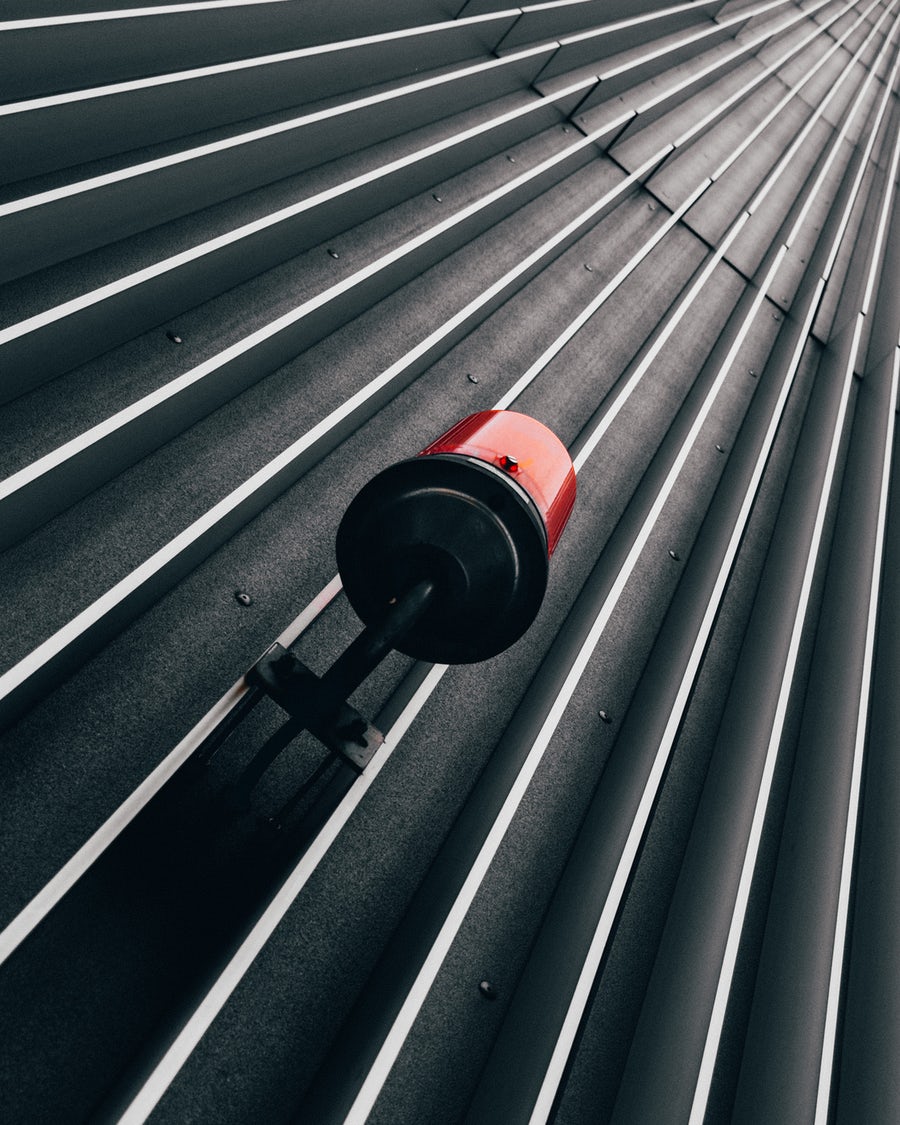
(674,555)
(719,448)
(565,128)
(243,597)
(651,206)
(604,716)
(437,198)
(333,254)
(174,337)
(511,159)
(472,378)
(590,269)
(487,990)
(775,316)
(752,372)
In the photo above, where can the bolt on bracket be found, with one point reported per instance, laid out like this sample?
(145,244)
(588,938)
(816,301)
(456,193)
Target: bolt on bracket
(296,688)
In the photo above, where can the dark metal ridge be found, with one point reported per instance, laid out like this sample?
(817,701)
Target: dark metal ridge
(513,1075)
(514,1072)
(785,1069)
(867,1089)
(333,1092)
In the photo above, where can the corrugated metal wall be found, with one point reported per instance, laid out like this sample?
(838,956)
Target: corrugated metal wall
(640,868)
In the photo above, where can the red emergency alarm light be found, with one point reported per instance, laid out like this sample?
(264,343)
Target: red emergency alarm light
(478,513)
(444,557)
(533,455)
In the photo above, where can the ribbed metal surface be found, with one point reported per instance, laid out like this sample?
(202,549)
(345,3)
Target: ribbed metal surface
(638,868)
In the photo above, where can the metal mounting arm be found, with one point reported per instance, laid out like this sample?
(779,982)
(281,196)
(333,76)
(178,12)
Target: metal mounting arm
(319,703)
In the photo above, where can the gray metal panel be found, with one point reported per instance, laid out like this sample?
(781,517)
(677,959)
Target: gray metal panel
(218,378)
(715,439)
(47,57)
(866,1083)
(45,228)
(603,51)
(560,20)
(635,77)
(788,1048)
(38,348)
(614,9)
(70,130)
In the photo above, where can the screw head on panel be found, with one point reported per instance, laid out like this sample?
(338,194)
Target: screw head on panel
(333,254)
(719,448)
(674,555)
(590,269)
(242,597)
(487,990)
(437,198)
(604,716)
(174,337)
(472,378)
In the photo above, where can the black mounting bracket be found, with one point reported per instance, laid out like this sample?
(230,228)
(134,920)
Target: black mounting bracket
(298,690)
